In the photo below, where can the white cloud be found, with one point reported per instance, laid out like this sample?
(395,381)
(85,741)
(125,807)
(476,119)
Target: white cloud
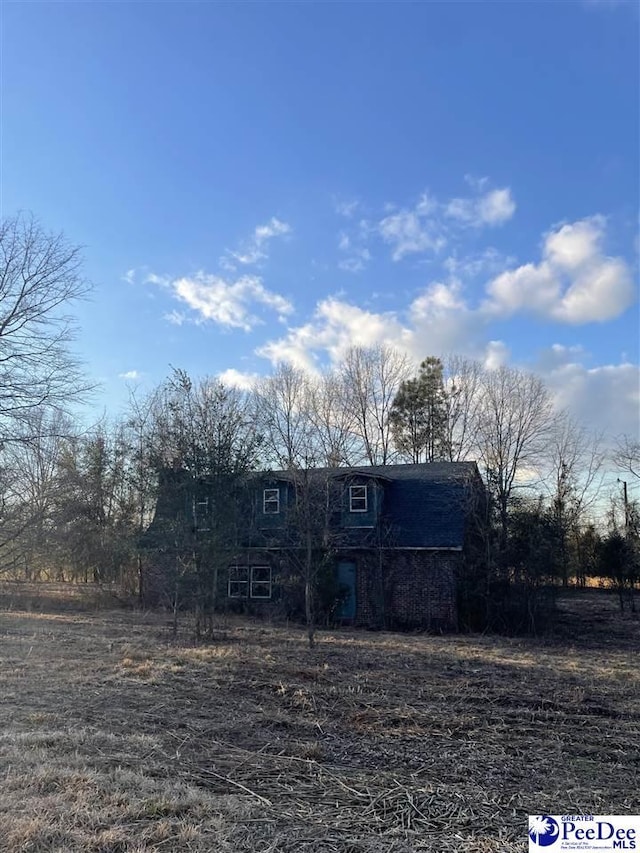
(488,262)
(437,321)
(255,249)
(130,375)
(476,183)
(496,207)
(427,204)
(359,255)
(408,233)
(605,398)
(228,303)
(346,208)
(335,326)
(357,262)
(160,280)
(274,228)
(492,208)
(496,355)
(557,355)
(441,321)
(429,225)
(237,379)
(438,299)
(573,283)
(129,276)
(527,287)
(572,246)
(354,246)
(176,318)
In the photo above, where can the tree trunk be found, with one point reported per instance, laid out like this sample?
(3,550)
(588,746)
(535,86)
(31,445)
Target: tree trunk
(213,601)
(140,580)
(381,612)
(308,594)
(175,607)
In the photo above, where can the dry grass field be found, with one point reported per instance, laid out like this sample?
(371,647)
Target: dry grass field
(115,739)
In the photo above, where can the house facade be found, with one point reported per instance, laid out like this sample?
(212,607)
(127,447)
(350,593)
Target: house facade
(383,546)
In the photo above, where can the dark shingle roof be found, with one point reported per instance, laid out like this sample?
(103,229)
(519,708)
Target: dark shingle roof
(425,505)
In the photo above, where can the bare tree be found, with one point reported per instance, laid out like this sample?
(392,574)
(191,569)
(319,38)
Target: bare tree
(30,468)
(576,473)
(310,539)
(40,277)
(332,422)
(206,433)
(140,429)
(306,425)
(372,377)
(202,427)
(514,424)
(463,383)
(95,514)
(626,456)
(283,402)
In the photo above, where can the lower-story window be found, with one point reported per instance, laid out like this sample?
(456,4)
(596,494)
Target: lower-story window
(249,582)
(260,582)
(238,581)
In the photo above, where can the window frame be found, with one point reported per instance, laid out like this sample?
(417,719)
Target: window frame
(242,582)
(267,583)
(198,523)
(271,501)
(364,497)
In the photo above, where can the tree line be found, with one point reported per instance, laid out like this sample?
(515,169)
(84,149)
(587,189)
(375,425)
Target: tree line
(75,501)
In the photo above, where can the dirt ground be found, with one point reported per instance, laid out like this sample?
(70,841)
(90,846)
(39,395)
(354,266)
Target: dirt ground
(114,738)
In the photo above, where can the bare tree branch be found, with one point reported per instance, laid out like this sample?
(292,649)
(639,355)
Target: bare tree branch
(372,377)
(626,456)
(40,277)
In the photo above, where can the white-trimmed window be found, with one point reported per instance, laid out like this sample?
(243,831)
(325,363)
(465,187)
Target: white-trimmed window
(260,582)
(250,582)
(201,515)
(358,499)
(271,501)
(238,581)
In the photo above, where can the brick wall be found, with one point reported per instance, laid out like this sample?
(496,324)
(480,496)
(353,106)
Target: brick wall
(395,589)
(408,589)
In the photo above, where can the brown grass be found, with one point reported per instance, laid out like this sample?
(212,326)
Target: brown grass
(114,739)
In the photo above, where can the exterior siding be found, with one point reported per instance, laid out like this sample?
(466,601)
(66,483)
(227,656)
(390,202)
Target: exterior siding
(408,589)
(368,519)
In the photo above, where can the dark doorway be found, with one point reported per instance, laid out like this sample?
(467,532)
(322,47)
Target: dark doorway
(347,580)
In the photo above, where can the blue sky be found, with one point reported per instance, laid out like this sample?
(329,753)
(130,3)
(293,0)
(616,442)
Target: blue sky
(263,181)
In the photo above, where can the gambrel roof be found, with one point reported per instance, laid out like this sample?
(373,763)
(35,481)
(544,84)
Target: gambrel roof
(418,506)
(425,505)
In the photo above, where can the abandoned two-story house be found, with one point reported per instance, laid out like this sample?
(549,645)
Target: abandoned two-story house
(384,546)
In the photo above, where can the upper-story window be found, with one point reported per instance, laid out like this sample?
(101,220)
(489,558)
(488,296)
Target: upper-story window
(358,499)
(271,501)
(201,514)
